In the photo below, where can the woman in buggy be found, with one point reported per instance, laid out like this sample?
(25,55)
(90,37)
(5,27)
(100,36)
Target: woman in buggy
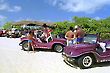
(46,34)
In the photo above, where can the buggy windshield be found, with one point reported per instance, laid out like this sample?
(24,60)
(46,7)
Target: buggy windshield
(90,38)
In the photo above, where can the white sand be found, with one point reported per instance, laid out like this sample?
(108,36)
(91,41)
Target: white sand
(15,60)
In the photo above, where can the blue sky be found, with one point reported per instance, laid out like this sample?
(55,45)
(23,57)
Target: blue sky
(52,10)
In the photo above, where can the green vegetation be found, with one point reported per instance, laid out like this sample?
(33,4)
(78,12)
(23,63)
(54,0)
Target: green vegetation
(9,25)
(90,25)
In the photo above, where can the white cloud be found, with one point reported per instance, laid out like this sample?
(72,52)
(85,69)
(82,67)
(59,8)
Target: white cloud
(7,7)
(14,9)
(87,6)
(97,18)
(2,17)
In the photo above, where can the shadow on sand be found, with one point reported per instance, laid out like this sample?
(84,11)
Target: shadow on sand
(103,64)
(45,50)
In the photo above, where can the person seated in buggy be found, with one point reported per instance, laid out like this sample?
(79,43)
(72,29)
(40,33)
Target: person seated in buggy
(46,34)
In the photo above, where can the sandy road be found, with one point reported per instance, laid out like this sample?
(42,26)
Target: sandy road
(15,60)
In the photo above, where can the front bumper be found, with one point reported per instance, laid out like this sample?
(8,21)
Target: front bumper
(69,60)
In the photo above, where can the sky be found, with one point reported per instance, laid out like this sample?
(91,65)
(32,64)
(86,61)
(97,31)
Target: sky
(52,10)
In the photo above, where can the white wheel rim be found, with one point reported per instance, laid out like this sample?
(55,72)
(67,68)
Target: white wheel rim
(87,61)
(26,46)
(59,48)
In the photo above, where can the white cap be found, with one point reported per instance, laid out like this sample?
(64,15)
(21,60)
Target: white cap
(76,27)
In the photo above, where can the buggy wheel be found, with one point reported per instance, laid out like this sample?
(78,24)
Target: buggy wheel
(26,46)
(85,61)
(58,48)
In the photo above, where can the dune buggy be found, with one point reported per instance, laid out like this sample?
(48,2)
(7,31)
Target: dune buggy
(55,44)
(86,54)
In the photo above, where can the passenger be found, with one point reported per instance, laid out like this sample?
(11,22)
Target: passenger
(31,37)
(46,33)
(37,36)
(70,36)
(103,46)
(46,30)
(79,34)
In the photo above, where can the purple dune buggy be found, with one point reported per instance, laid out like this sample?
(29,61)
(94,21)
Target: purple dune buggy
(56,44)
(86,54)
